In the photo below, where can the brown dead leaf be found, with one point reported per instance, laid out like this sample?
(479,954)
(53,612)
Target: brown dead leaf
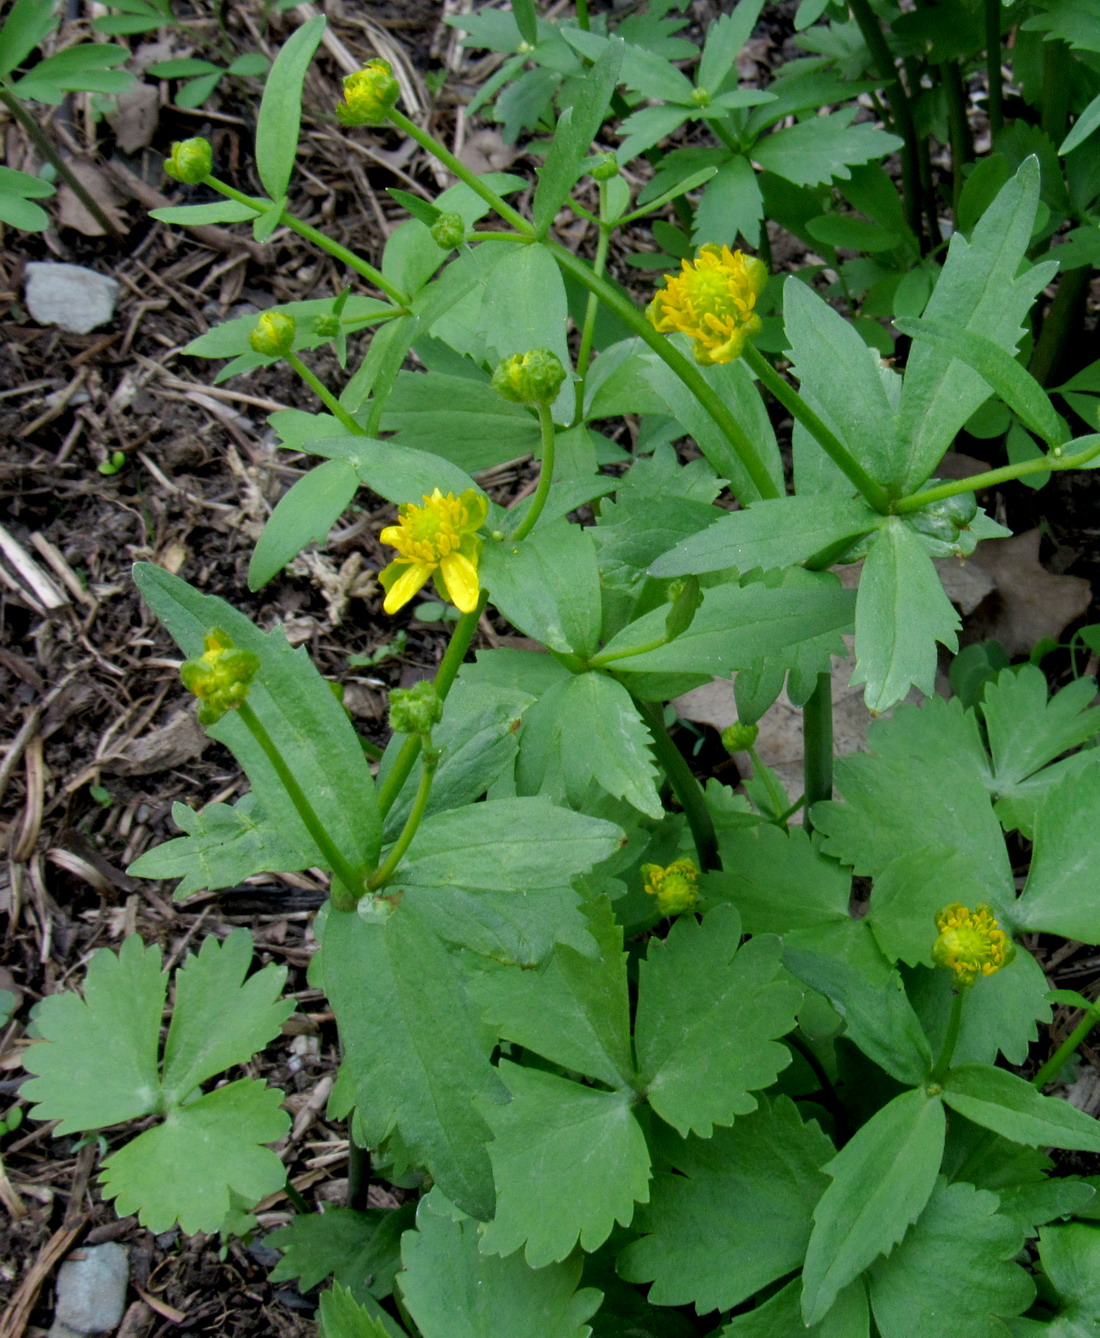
(486,151)
(1030,602)
(73,212)
(135,116)
(177,742)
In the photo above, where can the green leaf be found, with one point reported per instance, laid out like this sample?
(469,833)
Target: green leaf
(780,1316)
(295,704)
(252,63)
(187,1168)
(548,586)
(822,148)
(398,473)
(1060,895)
(27,24)
(882,1180)
(569,1162)
(734,383)
(17,211)
(601,737)
(895,802)
(343,1317)
(1070,1256)
(842,962)
(281,108)
(359,1249)
(463,420)
(999,1100)
(980,289)
(958,1260)
(224,844)
(773,533)
(573,136)
(999,370)
(76,68)
(197,215)
(220,1019)
(734,626)
(907,894)
(722,45)
(412,1057)
(97,1063)
(452,1290)
(852,233)
(842,379)
(901,613)
(748,1193)
(648,126)
(731,204)
(576,1013)
(709,1013)
(779,881)
(305,512)
(507,844)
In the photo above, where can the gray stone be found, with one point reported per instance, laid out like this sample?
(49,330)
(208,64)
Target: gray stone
(69,296)
(91,1290)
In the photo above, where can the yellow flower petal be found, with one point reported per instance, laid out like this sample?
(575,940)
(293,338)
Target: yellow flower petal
(405,586)
(459,575)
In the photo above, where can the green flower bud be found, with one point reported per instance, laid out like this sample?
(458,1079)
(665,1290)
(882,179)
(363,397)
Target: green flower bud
(190,161)
(532,378)
(605,168)
(327,326)
(369,95)
(273,335)
(700,97)
(738,738)
(415,710)
(675,887)
(448,231)
(220,677)
(945,518)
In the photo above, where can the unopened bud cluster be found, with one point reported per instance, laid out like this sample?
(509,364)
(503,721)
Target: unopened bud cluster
(533,378)
(415,710)
(190,161)
(220,677)
(273,335)
(369,95)
(676,886)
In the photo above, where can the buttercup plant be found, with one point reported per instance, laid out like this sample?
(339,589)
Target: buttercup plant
(597,1020)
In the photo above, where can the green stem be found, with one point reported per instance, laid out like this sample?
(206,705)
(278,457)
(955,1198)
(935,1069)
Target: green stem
(297,1202)
(546,472)
(686,787)
(1062,322)
(336,861)
(311,234)
(817,738)
(833,447)
(588,329)
(445,675)
(428,141)
(46,149)
(1056,83)
(359,1169)
(429,762)
(996,107)
(951,1038)
(605,658)
(1055,1063)
(958,131)
(902,112)
(683,367)
(991,477)
(327,398)
(582,14)
(779,802)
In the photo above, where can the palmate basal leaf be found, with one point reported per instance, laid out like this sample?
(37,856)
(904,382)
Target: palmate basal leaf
(955,1270)
(98,1067)
(452,1290)
(569,1162)
(184,1169)
(765,1170)
(709,1013)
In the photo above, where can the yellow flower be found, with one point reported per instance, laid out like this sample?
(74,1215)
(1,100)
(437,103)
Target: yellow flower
(970,943)
(273,334)
(675,887)
(220,677)
(369,95)
(712,301)
(438,539)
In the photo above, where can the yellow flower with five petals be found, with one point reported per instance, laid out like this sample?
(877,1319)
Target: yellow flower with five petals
(712,300)
(437,540)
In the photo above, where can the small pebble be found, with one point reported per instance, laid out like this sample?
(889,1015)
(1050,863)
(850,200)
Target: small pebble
(91,1291)
(69,296)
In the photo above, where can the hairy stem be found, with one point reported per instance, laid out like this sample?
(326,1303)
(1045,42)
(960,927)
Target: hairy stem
(428,763)
(1052,461)
(951,1037)
(996,108)
(1053,1066)
(817,737)
(327,398)
(546,473)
